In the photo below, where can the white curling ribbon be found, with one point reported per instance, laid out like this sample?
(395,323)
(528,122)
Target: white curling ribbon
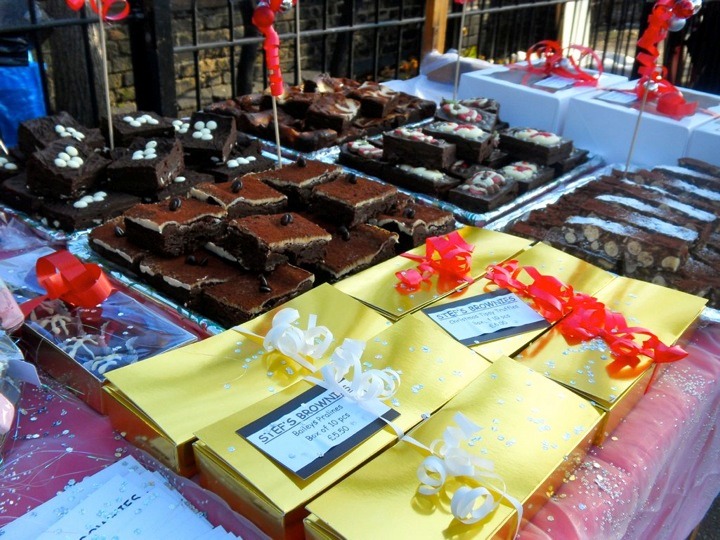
(464,504)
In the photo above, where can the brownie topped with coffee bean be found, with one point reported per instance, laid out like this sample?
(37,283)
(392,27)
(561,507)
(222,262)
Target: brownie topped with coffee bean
(242,197)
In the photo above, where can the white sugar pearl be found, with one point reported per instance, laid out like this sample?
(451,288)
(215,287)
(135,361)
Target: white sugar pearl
(64,156)
(214,159)
(151,144)
(98,197)
(135,123)
(150,156)
(205,131)
(243,161)
(3,160)
(60,163)
(59,129)
(177,123)
(77,159)
(73,164)
(66,134)
(152,122)
(212,124)
(87,199)
(180,179)
(199,125)
(197,135)
(251,158)
(71,150)
(128,119)
(206,137)
(80,204)
(138,154)
(79,136)
(11,166)
(233,163)
(184,129)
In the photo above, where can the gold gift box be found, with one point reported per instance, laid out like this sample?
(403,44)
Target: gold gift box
(533,430)
(376,286)
(582,367)
(582,276)
(434,369)
(159,403)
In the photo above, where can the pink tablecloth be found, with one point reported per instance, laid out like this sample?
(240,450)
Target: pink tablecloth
(654,478)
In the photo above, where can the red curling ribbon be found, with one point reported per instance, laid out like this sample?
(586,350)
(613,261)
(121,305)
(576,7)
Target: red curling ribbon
(112,10)
(582,318)
(65,277)
(449,256)
(264,18)
(559,62)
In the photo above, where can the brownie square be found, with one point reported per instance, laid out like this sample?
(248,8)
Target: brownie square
(146,167)
(363,155)
(109,241)
(576,158)
(147,125)
(415,147)
(376,100)
(465,169)
(528,175)
(333,111)
(263,242)
(412,109)
(472,143)
(16,193)
(248,295)
(88,211)
(9,167)
(296,102)
(238,165)
(420,179)
(454,111)
(485,191)
(481,103)
(497,158)
(241,197)
(298,179)
(65,170)
(209,135)
(181,186)
(534,145)
(38,133)
(351,200)
(175,227)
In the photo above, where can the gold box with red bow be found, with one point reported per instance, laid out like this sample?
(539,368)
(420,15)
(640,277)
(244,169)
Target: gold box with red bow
(468,476)
(608,349)
(81,324)
(159,404)
(407,283)
(433,368)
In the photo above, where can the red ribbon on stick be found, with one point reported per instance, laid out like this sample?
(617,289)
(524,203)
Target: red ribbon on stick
(112,10)
(67,278)
(448,255)
(582,317)
(264,18)
(559,62)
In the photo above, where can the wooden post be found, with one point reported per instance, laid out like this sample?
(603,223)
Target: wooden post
(436,12)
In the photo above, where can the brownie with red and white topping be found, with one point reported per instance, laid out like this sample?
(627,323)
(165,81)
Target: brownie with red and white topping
(364,155)
(454,111)
(297,180)
(262,242)
(333,111)
(174,227)
(420,179)
(351,199)
(528,175)
(146,167)
(242,197)
(247,295)
(209,136)
(481,103)
(37,133)
(414,147)
(64,170)
(484,191)
(472,143)
(531,144)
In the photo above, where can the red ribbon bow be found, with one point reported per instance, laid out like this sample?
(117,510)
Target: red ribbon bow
(583,317)
(112,10)
(448,255)
(557,61)
(263,18)
(65,277)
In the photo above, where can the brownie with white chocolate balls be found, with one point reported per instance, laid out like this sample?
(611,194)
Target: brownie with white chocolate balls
(146,166)
(209,136)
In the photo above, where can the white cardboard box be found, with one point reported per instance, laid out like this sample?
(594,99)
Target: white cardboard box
(604,122)
(528,100)
(705,142)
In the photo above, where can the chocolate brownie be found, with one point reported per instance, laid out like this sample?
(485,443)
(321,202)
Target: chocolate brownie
(64,170)
(576,158)
(355,249)
(15,192)
(481,103)
(182,278)
(307,141)
(497,158)
(180,186)
(363,155)
(260,123)
(333,111)
(147,125)
(209,135)
(239,164)
(249,295)
(242,197)
(298,179)
(37,133)
(147,167)
(453,111)
(296,102)
(472,143)
(485,191)
(351,199)
(698,179)
(174,227)
(414,222)
(110,242)
(262,242)
(414,147)
(376,100)
(87,211)
(420,179)
(700,166)
(528,175)
(533,145)
(411,109)
(9,167)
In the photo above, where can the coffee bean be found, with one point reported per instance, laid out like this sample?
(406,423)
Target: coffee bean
(287,219)
(190,259)
(119,231)
(265,289)
(175,203)
(263,280)
(351,178)
(236,186)
(301,162)
(344,233)
(409,212)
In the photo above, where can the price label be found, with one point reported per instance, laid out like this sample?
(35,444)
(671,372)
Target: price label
(555,83)
(622,98)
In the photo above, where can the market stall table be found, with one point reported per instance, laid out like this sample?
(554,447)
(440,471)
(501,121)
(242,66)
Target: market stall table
(655,477)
